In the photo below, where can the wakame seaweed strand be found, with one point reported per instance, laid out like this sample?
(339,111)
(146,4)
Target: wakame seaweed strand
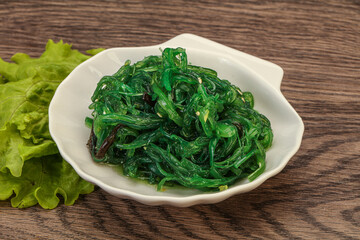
(169,123)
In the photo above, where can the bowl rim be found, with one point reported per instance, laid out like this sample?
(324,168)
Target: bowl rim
(259,67)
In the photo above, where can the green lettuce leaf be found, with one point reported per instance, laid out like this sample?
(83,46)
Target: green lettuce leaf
(24,99)
(27,152)
(41,181)
(14,150)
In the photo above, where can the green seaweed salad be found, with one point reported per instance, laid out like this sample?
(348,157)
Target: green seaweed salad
(169,122)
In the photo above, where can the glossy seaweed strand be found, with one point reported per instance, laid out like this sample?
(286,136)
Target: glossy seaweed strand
(170,123)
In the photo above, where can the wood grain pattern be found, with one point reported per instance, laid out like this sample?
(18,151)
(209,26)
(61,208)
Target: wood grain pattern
(317,43)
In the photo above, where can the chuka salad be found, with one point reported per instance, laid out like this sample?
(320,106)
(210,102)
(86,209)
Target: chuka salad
(168,122)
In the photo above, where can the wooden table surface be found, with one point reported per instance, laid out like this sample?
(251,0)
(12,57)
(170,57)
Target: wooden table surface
(317,195)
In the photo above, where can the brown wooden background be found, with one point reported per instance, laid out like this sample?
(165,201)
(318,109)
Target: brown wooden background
(317,43)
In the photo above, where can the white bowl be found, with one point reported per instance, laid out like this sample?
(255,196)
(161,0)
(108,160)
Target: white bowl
(69,107)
